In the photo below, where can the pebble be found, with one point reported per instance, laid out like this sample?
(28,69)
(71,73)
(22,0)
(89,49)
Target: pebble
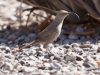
(98,50)
(12,37)
(31,35)
(29,69)
(47,65)
(66,41)
(20,39)
(73,36)
(56,66)
(1,35)
(3,40)
(70,58)
(82,38)
(62,37)
(79,58)
(79,29)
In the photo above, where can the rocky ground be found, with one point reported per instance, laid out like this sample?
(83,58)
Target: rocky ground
(72,54)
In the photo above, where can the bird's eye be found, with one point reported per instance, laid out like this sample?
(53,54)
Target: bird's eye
(62,13)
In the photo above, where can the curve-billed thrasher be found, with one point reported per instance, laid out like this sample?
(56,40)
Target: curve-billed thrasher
(51,32)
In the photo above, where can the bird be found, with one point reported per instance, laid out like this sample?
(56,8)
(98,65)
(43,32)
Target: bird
(51,32)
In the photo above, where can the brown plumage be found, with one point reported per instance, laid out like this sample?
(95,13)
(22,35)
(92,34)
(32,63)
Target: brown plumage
(51,32)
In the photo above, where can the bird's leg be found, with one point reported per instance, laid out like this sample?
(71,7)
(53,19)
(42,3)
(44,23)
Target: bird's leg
(47,49)
(41,47)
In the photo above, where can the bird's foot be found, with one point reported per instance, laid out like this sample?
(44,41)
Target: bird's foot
(49,52)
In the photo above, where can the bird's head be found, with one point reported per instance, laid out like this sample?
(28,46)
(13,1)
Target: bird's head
(62,13)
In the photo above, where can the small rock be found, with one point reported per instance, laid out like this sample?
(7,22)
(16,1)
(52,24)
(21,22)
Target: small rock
(46,56)
(66,46)
(9,56)
(1,35)
(78,50)
(86,64)
(98,44)
(20,39)
(20,57)
(57,57)
(66,41)
(7,51)
(14,73)
(3,40)
(1,63)
(1,73)
(79,29)
(98,50)
(12,37)
(56,66)
(27,39)
(62,37)
(31,36)
(32,58)
(22,62)
(47,65)
(79,58)
(82,38)
(13,18)
(29,69)
(65,69)
(43,13)
(30,63)
(73,36)
(75,45)
(70,58)
(3,47)
(19,67)
(7,66)
(41,58)
(6,34)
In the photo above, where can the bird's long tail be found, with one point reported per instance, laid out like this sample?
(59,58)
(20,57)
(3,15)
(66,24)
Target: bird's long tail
(26,45)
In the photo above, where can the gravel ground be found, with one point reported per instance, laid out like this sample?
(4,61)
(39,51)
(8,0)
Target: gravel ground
(71,54)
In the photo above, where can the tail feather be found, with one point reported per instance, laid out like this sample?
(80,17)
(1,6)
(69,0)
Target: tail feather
(20,49)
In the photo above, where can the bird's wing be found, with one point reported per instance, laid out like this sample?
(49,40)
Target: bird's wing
(44,36)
